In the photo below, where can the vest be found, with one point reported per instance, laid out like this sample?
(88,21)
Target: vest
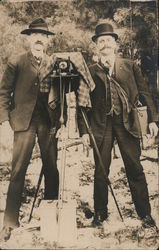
(114,104)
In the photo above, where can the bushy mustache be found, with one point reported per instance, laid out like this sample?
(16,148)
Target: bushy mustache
(39,42)
(105,47)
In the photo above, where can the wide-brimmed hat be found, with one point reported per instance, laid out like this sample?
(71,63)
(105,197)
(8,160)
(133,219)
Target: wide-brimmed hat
(104,29)
(37,26)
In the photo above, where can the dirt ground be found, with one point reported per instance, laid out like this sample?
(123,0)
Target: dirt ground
(113,234)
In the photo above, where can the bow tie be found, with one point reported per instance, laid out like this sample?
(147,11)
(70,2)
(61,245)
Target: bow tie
(38,59)
(108,70)
(105,68)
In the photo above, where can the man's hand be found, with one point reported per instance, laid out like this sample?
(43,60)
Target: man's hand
(6,136)
(6,125)
(86,143)
(86,140)
(153,129)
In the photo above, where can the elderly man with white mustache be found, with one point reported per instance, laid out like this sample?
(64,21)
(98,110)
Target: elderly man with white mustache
(24,108)
(119,85)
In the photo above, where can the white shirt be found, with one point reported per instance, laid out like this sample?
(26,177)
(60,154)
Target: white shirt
(108,63)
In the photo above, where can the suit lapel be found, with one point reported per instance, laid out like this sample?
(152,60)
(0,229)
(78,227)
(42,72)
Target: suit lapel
(46,66)
(33,61)
(99,71)
(123,73)
(119,72)
(123,76)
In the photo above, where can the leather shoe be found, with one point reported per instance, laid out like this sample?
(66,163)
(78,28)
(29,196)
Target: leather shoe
(88,213)
(5,233)
(148,222)
(99,217)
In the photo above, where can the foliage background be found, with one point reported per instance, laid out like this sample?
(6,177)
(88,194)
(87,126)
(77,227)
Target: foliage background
(74,22)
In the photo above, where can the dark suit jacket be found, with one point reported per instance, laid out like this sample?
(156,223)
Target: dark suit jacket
(128,75)
(19,90)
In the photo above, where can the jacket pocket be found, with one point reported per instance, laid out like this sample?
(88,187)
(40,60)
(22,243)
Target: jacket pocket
(20,117)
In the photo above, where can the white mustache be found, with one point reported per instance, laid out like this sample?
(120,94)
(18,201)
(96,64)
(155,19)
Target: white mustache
(39,42)
(105,48)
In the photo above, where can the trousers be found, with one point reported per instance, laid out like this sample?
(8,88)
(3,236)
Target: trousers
(130,151)
(23,145)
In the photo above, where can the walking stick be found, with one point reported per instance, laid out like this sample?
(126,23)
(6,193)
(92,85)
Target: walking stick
(36,193)
(100,159)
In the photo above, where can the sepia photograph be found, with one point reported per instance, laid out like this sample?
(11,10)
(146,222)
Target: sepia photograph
(79,120)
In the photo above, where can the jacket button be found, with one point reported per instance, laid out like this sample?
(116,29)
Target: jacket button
(35,84)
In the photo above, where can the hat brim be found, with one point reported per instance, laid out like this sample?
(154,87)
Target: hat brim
(29,31)
(94,38)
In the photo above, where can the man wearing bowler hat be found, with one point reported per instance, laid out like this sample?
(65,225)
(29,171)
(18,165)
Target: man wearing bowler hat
(118,87)
(24,106)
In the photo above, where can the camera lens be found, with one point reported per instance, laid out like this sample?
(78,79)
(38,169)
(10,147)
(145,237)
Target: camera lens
(63,65)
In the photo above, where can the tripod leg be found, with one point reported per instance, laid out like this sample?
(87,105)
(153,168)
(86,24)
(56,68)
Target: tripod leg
(63,159)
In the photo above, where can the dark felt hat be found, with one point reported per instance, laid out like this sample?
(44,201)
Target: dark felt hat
(37,26)
(104,29)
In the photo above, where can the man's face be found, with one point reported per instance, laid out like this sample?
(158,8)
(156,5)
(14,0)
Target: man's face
(106,45)
(38,41)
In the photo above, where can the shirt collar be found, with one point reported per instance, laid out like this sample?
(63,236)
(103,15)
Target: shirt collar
(108,65)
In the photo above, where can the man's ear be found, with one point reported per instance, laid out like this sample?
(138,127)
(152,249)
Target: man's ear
(116,48)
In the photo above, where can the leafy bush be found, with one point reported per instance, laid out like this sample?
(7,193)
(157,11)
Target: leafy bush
(74,23)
